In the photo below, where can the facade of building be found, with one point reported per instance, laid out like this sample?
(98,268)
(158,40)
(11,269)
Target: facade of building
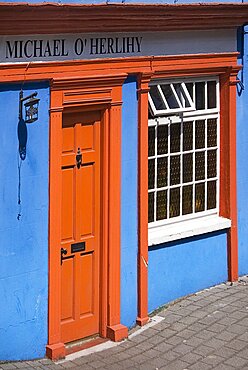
(123,164)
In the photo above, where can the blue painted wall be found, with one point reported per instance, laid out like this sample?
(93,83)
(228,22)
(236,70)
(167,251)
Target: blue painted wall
(242,153)
(23,242)
(129,221)
(180,268)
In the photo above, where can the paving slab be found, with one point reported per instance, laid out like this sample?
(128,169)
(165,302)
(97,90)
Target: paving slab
(207,330)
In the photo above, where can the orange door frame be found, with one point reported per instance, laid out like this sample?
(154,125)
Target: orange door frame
(84,95)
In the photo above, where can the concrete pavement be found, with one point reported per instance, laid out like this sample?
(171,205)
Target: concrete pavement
(207,330)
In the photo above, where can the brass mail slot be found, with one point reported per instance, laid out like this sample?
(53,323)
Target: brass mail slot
(78,247)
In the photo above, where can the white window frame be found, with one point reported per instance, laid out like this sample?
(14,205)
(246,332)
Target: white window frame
(195,223)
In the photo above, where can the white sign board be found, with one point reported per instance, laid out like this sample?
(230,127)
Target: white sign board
(90,46)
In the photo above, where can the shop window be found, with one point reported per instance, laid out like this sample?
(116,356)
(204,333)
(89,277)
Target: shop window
(183,151)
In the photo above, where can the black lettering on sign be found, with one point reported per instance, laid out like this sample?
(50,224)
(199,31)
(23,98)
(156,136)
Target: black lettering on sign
(138,43)
(64,52)
(38,48)
(55,48)
(102,45)
(26,50)
(47,50)
(12,49)
(79,46)
(110,45)
(94,46)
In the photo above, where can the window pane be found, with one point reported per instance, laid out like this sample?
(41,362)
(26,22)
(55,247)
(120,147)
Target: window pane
(200,134)
(175,137)
(169,96)
(200,95)
(151,141)
(175,170)
(199,197)
(174,202)
(161,205)
(156,98)
(162,139)
(181,95)
(150,113)
(190,89)
(187,136)
(150,207)
(187,167)
(212,132)
(162,172)
(211,87)
(212,164)
(151,173)
(187,199)
(211,196)
(199,166)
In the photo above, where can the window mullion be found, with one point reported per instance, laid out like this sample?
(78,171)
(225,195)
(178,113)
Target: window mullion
(206,164)
(181,167)
(175,94)
(168,179)
(155,173)
(193,175)
(218,165)
(187,95)
(163,97)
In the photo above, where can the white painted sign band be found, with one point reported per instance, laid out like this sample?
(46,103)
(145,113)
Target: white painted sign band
(90,46)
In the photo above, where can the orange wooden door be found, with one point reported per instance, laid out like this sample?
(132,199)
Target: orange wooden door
(80,225)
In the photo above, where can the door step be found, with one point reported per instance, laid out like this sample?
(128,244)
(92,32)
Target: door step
(81,344)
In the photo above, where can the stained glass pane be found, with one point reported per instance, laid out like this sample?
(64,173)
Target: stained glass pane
(174,202)
(162,172)
(156,98)
(199,166)
(187,136)
(211,88)
(169,96)
(150,207)
(212,132)
(162,139)
(151,173)
(175,137)
(212,163)
(175,170)
(200,95)
(187,199)
(161,213)
(199,197)
(187,167)
(200,134)
(151,141)
(211,195)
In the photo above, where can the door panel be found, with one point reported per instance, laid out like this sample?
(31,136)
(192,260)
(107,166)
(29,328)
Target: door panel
(67,203)
(67,288)
(86,225)
(80,224)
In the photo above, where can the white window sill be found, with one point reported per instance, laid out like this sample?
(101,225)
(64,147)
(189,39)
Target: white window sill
(186,229)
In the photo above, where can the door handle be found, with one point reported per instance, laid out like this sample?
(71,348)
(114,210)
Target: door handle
(63,252)
(79,158)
